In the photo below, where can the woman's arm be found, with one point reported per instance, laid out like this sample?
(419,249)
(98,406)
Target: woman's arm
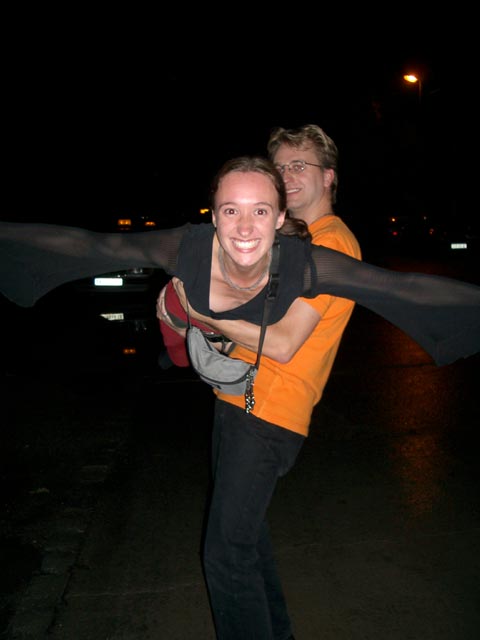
(441,314)
(36,258)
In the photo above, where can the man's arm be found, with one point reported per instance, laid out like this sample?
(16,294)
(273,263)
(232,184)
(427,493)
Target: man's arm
(282,339)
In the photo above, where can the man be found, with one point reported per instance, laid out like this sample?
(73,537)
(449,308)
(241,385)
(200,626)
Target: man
(307,339)
(307,158)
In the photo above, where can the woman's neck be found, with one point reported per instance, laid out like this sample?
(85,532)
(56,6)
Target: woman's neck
(251,279)
(231,286)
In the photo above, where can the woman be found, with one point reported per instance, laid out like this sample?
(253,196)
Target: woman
(224,268)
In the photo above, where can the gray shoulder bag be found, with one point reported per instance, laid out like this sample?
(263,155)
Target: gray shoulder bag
(231,375)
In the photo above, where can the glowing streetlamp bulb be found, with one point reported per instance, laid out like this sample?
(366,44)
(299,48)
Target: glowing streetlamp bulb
(412,78)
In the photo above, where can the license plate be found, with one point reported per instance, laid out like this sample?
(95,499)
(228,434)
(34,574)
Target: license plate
(108,282)
(113,316)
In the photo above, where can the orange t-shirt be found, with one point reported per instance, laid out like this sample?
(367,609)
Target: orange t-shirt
(285,394)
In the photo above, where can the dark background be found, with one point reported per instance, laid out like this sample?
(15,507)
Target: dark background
(130,114)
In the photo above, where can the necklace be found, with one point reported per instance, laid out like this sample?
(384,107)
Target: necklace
(231,284)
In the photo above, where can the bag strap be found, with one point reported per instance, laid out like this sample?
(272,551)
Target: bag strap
(270,296)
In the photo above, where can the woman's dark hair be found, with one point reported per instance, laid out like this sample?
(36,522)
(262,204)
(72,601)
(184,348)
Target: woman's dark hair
(295,227)
(258,164)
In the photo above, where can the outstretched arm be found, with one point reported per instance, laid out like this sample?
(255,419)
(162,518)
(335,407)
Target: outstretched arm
(441,314)
(36,258)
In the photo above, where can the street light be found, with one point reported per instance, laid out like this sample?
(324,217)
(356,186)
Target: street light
(412,78)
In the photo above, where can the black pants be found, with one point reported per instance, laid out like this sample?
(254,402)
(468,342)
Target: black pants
(249,455)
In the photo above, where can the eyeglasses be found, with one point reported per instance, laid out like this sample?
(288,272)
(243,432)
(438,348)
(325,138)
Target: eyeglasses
(296,166)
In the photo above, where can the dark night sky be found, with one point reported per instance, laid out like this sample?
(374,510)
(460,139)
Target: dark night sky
(96,129)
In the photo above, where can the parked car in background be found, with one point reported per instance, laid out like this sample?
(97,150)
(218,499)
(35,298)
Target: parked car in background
(126,298)
(105,321)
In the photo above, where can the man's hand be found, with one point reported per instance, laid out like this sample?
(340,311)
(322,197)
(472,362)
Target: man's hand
(180,290)
(206,323)
(162,313)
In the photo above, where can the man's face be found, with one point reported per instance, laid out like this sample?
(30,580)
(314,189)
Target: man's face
(306,188)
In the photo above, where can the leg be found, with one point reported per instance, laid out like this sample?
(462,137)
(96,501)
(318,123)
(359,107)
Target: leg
(281,628)
(249,455)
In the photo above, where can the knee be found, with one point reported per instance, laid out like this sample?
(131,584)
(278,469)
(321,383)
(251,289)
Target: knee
(228,558)
(216,553)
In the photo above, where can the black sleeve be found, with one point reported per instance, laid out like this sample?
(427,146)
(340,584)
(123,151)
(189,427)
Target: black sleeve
(36,258)
(441,314)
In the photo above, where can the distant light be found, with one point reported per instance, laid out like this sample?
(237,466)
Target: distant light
(124,223)
(410,77)
(204,211)
(129,351)
(458,245)
(150,223)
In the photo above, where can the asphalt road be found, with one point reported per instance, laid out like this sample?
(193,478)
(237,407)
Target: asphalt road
(105,478)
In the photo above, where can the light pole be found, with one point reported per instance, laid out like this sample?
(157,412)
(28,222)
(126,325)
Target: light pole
(413,78)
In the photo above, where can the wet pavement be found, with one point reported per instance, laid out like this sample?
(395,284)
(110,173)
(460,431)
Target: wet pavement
(376,529)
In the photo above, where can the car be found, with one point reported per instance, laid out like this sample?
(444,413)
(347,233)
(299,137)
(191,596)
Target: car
(124,299)
(136,280)
(113,313)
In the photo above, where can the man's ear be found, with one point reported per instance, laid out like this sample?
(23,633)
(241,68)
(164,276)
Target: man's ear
(328,177)
(214,219)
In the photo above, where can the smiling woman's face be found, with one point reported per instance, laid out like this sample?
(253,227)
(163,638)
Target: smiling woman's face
(246,216)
